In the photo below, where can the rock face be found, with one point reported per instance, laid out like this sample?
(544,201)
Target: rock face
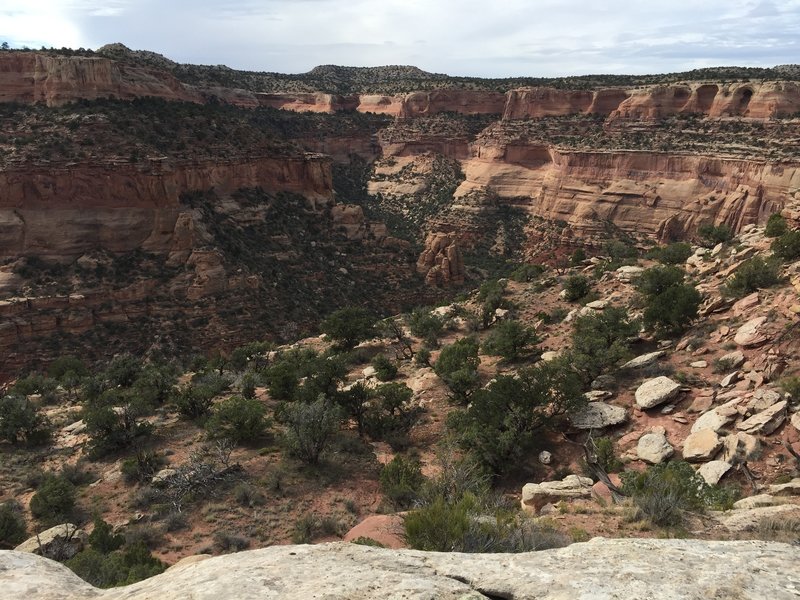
(625,568)
(441,262)
(656,391)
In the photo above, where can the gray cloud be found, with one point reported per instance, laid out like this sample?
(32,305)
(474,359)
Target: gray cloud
(464,37)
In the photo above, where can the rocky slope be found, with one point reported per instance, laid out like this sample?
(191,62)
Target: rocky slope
(635,569)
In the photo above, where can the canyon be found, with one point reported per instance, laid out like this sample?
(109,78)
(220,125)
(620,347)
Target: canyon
(436,180)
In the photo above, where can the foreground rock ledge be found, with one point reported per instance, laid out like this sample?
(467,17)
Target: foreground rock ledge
(602,568)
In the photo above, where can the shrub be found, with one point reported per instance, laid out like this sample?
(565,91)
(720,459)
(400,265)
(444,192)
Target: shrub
(194,401)
(712,235)
(604,453)
(153,385)
(426,325)
(776,226)
(248,386)
(390,416)
(401,481)
(670,305)
(600,341)
(673,254)
(349,326)
(282,380)
(21,421)
(423,357)
(467,526)
(577,258)
(228,542)
(510,339)
(310,428)
(504,420)
(491,294)
(12,525)
(65,367)
(787,246)
(123,370)
(103,539)
(141,467)
(385,368)
(36,384)
(238,419)
(246,495)
(576,287)
(752,275)
(527,272)
(458,367)
(122,567)
(54,499)
(791,385)
(663,492)
(355,403)
(112,429)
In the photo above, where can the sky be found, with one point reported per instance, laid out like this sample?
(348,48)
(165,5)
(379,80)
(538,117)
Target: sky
(488,38)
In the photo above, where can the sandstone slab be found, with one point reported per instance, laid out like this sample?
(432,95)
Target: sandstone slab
(634,569)
(644,360)
(701,446)
(654,448)
(766,421)
(713,471)
(751,333)
(536,495)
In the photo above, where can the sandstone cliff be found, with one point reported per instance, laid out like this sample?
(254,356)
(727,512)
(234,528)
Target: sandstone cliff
(631,569)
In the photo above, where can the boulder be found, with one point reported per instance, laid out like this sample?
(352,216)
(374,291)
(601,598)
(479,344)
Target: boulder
(597,415)
(654,448)
(766,421)
(385,529)
(795,421)
(740,446)
(644,360)
(701,446)
(536,495)
(758,501)
(748,519)
(713,471)
(733,360)
(751,333)
(61,542)
(762,399)
(729,379)
(715,419)
(656,391)
(163,475)
(545,457)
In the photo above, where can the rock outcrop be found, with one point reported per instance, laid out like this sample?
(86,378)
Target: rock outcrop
(441,261)
(635,569)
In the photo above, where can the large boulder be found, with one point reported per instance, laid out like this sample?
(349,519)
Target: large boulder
(644,360)
(656,391)
(634,569)
(748,519)
(713,471)
(387,530)
(791,488)
(654,448)
(701,446)
(766,421)
(536,495)
(717,418)
(739,447)
(597,415)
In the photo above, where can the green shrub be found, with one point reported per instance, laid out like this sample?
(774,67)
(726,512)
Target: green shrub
(349,326)
(123,370)
(791,385)
(753,275)
(22,422)
(467,526)
(577,257)
(194,401)
(576,287)
(604,453)
(142,467)
(504,421)
(355,403)
(663,492)
(54,500)
(391,414)
(153,385)
(669,304)
(310,428)
(385,368)
(787,246)
(776,226)
(712,235)
(112,428)
(527,272)
(66,367)
(600,341)
(238,419)
(491,294)
(36,384)
(673,254)
(510,339)
(401,481)
(282,380)
(458,368)
(12,526)
(122,567)
(423,357)
(103,539)
(425,325)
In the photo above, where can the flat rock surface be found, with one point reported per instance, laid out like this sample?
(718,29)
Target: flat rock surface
(600,569)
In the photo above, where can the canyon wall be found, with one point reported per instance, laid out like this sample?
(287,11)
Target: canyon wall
(656,194)
(61,212)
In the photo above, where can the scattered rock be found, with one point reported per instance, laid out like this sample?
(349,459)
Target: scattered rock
(699,364)
(758,501)
(643,361)
(656,391)
(715,419)
(762,399)
(766,421)
(701,446)
(734,360)
(545,457)
(729,379)
(536,495)
(750,334)
(745,305)
(604,382)
(654,448)
(598,415)
(713,471)
(597,395)
(163,475)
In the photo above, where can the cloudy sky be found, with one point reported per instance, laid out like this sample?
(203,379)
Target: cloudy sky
(459,37)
